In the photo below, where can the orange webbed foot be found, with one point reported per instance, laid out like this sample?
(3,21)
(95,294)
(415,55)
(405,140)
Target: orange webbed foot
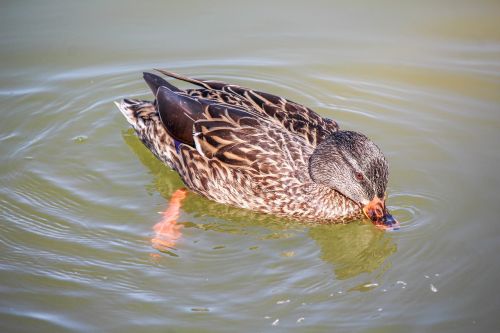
(167,232)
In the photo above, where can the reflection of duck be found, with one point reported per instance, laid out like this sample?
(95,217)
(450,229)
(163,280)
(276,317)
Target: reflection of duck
(262,152)
(352,249)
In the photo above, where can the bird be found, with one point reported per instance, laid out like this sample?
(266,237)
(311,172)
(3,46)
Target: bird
(258,151)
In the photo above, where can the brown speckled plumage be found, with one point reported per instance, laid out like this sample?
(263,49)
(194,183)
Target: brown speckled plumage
(240,147)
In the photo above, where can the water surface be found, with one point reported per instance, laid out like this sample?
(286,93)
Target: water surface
(79,194)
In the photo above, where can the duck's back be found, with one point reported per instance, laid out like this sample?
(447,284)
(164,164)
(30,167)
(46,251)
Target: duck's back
(293,117)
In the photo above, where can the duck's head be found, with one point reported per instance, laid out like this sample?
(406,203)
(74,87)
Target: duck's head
(353,165)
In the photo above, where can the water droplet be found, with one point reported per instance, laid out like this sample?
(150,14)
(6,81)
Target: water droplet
(200,309)
(288,254)
(364,287)
(80,138)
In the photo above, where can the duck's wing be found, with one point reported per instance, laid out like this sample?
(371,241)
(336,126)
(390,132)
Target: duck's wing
(232,135)
(179,112)
(293,117)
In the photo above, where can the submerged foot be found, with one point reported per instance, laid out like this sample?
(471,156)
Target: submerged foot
(167,232)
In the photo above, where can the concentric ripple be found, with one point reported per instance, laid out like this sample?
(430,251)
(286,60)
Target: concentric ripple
(80,194)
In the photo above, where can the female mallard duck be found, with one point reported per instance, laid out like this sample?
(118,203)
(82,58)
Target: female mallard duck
(262,152)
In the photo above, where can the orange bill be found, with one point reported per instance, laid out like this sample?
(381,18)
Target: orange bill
(377,212)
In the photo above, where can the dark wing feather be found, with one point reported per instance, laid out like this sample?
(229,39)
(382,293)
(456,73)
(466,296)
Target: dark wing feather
(178,113)
(294,117)
(154,82)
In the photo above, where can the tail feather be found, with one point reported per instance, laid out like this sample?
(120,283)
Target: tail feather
(147,124)
(137,112)
(126,111)
(155,82)
(184,78)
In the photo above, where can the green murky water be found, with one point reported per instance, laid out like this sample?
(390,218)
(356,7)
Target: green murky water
(79,194)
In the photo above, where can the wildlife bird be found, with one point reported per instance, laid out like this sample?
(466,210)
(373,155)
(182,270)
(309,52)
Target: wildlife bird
(262,152)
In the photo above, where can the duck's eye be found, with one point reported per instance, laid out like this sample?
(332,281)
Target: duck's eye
(359,176)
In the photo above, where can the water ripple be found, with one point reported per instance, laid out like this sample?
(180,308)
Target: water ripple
(79,213)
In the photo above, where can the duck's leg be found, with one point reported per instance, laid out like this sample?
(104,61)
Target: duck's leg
(167,232)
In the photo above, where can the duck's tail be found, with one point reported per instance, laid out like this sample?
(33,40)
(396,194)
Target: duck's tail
(147,124)
(138,113)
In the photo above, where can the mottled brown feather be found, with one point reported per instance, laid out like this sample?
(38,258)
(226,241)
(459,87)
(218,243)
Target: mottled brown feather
(240,147)
(280,110)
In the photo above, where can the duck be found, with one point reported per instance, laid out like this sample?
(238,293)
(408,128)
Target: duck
(258,151)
